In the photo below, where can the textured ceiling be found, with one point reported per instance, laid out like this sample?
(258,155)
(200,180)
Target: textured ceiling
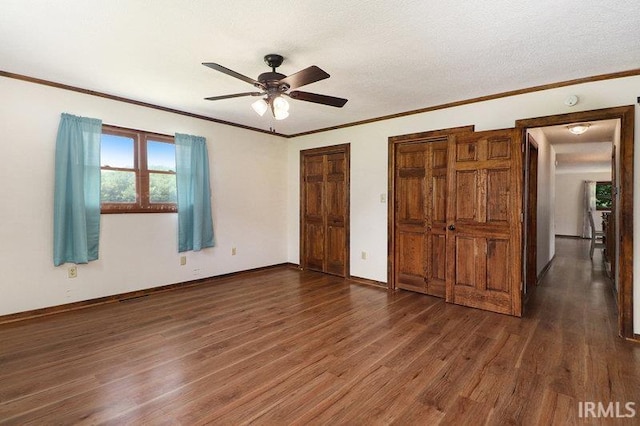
(590,151)
(386,57)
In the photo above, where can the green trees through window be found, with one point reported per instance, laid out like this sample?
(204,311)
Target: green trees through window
(118,187)
(604,192)
(137,171)
(161,157)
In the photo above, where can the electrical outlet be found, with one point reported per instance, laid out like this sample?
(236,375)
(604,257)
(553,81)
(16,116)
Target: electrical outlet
(183,260)
(196,271)
(363,256)
(72,272)
(233,251)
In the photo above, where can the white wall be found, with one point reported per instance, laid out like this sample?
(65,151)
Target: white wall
(570,212)
(369,164)
(248,176)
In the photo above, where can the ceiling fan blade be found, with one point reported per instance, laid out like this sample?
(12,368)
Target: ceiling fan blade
(319,99)
(304,77)
(235,95)
(233,74)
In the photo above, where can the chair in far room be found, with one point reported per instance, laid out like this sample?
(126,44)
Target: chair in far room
(597,237)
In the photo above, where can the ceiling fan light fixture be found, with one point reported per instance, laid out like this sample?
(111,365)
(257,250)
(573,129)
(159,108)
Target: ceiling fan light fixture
(578,129)
(280,104)
(260,107)
(280,108)
(281,115)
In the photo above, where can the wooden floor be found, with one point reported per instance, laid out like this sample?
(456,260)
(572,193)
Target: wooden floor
(284,346)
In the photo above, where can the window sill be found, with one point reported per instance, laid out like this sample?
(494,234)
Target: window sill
(126,210)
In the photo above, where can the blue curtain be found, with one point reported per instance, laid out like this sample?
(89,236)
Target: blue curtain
(76,204)
(195,226)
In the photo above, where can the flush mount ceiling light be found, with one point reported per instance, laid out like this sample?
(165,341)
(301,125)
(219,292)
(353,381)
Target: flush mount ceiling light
(578,129)
(275,86)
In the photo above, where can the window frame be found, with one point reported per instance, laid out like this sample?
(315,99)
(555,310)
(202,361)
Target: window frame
(604,182)
(141,170)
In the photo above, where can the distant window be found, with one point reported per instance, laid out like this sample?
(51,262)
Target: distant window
(138,171)
(604,200)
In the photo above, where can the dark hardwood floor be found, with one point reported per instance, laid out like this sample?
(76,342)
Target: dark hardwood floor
(283,346)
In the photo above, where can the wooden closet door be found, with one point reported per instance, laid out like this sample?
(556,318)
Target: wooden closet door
(335,214)
(484,228)
(313,212)
(420,203)
(437,176)
(324,241)
(410,215)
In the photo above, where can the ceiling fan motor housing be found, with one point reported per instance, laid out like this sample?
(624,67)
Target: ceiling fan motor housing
(271,82)
(271,79)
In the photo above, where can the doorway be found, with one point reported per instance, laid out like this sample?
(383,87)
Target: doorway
(324,209)
(624,201)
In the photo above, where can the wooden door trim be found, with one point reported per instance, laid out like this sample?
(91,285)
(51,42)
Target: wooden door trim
(332,149)
(530,210)
(626,116)
(393,141)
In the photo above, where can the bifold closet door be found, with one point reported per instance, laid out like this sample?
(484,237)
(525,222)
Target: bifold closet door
(325,210)
(313,232)
(420,216)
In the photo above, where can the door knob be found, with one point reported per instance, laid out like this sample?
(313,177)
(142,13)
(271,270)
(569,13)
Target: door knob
(452,227)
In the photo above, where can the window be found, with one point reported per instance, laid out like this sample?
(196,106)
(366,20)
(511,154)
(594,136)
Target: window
(138,171)
(604,196)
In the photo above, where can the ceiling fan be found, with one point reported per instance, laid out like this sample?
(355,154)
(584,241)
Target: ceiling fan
(274,86)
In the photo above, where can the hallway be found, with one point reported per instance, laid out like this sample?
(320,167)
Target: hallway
(577,338)
(576,289)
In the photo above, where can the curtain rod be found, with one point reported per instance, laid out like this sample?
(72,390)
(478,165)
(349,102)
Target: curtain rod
(138,130)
